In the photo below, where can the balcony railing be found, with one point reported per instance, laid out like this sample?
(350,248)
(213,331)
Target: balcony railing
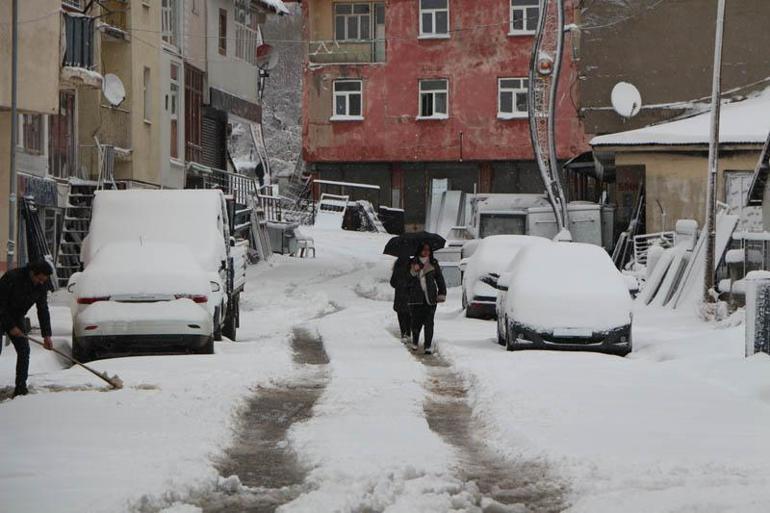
(79,36)
(347,52)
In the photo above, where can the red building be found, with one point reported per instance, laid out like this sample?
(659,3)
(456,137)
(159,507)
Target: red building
(399,93)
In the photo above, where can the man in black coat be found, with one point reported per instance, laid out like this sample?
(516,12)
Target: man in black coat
(20,289)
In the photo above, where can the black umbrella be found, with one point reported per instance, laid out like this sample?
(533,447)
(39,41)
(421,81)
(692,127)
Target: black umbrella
(408,243)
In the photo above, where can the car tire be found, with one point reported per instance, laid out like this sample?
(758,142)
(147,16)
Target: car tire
(501,335)
(510,338)
(217,324)
(80,353)
(465,301)
(230,324)
(207,348)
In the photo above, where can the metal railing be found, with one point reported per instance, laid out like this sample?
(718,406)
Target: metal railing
(79,38)
(347,52)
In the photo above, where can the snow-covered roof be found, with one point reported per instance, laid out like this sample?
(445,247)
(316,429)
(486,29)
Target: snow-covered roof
(743,122)
(275,5)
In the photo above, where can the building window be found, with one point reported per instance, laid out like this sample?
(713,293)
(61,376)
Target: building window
(352,22)
(246,31)
(169,12)
(348,100)
(222,32)
(434,18)
(78,4)
(525,16)
(147,94)
(173,111)
(62,138)
(434,96)
(512,98)
(32,133)
(193,104)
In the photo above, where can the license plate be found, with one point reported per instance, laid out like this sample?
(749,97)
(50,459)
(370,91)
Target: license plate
(573,332)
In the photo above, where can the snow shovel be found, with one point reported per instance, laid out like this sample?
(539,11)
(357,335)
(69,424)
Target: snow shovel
(114,381)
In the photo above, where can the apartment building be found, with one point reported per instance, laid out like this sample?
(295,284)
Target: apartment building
(418,95)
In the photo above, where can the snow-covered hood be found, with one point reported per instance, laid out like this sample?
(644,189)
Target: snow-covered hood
(138,269)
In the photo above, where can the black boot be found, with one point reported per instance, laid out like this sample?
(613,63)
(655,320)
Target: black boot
(20,390)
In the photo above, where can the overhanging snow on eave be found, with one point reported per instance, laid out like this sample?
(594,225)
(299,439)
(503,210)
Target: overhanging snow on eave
(675,147)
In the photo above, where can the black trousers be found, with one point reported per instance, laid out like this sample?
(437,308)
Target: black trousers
(21,345)
(405,322)
(422,318)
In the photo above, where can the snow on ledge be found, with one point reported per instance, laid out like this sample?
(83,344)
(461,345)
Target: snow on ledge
(743,122)
(276,5)
(82,76)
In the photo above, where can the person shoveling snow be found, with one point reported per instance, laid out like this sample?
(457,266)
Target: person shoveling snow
(20,289)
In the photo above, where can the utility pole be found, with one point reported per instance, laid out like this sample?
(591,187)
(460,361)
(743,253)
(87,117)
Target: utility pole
(711,196)
(12,211)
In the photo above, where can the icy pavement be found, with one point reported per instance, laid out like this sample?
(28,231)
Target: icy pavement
(319,408)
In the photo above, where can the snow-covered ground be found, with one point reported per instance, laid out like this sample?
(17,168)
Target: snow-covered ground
(678,426)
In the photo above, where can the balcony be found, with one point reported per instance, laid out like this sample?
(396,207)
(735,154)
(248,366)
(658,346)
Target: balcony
(347,52)
(79,65)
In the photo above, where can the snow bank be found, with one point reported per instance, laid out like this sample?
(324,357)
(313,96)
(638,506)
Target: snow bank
(567,285)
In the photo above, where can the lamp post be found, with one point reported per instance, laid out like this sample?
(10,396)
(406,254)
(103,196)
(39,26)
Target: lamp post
(11,246)
(713,164)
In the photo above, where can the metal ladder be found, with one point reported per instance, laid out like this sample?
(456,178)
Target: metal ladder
(77,220)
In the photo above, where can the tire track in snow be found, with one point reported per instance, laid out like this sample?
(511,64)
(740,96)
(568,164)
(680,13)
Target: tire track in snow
(505,486)
(268,471)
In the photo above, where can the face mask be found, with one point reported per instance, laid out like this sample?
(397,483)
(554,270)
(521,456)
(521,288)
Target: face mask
(424,260)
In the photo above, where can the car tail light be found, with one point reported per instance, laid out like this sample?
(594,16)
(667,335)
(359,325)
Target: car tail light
(91,300)
(91,327)
(198,298)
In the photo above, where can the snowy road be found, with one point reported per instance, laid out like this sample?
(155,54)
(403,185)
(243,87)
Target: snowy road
(319,408)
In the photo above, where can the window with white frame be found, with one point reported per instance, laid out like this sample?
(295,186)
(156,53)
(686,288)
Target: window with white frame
(434,99)
(169,26)
(348,100)
(512,98)
(147,94)
(352,22)
(525,16)
(434,18)
(246,31)
(172,106)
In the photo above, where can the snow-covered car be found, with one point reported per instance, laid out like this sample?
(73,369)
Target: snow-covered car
(567,296)
(503,282)
(141,297)
(489,258)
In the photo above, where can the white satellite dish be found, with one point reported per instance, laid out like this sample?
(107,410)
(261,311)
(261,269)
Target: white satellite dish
(113,89)
(626,99)
(267,57)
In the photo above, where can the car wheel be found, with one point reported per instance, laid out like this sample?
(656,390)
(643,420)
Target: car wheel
(80,353)
(501,340)
(207,348)
(510,338)
(217,324)
(465,301)
(228,330)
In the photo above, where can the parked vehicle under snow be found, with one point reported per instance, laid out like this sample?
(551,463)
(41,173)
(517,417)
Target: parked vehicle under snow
(566,296)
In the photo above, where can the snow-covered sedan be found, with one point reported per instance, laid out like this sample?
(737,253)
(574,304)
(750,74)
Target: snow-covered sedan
(488,261)
(567,296)
(141,297)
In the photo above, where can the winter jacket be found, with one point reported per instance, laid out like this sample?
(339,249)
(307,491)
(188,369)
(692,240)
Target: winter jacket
(399,280)
(434,281)
(17,295)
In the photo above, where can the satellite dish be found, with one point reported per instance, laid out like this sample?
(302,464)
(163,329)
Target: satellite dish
(626,99)
(113,89)
(267,57)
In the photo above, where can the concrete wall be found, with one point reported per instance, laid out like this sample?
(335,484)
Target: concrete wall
(227,73)
(678,180)
(38,70)
(194,37)
(472,60)
(666,49)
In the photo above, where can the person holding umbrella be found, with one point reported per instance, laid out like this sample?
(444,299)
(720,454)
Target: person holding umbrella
(399,280)
(427,288)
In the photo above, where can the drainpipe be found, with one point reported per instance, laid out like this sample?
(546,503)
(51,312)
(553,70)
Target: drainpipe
(11,247)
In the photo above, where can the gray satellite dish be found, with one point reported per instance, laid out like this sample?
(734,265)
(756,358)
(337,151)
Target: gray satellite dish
(113,89)
(626,99)
(267,57)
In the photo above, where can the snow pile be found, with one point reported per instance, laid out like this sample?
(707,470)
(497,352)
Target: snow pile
(568,285)
(743,122)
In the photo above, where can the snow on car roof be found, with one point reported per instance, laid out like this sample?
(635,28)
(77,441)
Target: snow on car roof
(568,285)
(743,122)
(189,217)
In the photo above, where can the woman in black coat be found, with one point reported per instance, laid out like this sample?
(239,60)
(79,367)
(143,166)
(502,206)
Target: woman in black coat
(427,288)
(399,280)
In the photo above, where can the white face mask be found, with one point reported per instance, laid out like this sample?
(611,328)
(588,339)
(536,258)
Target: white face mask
(424,260)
